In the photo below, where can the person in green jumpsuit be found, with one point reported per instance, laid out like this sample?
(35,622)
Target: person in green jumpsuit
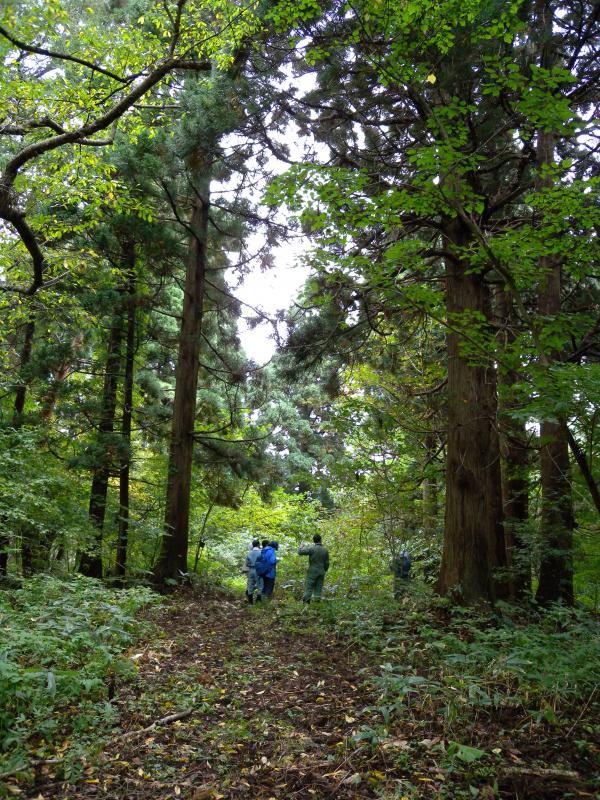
(318,564)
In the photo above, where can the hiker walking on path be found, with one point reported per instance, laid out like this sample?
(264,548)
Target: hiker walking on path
(318,564)
(266,567)
(253,579)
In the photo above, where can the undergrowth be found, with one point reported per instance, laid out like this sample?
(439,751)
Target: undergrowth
(465,689)
(60,657)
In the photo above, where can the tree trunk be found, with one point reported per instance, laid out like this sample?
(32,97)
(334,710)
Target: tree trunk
(201,543)
(515,464)
(21,389)
(557,523)
(515,492)
(474,537)
(91,560)
(123,534)
(172,559)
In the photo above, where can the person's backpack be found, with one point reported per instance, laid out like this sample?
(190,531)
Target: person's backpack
(261,566)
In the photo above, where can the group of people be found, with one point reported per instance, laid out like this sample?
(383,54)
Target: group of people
(261,569)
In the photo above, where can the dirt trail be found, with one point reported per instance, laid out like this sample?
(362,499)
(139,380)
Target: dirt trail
(273,707)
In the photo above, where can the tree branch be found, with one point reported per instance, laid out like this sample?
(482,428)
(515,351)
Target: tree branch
(17,220)
(112,115)
(41,51)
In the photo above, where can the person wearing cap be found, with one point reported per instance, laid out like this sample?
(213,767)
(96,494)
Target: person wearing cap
(250,565)
(269,557)
(318,564)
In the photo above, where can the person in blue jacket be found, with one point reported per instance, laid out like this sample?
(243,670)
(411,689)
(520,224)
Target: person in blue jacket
(269,557)
(261,569)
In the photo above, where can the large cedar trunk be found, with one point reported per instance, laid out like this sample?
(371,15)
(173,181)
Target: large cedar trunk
(474,538)
(172,560)
(123,533)
(91,561)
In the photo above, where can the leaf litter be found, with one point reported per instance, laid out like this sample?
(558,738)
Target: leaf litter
(232,702)
(228,703)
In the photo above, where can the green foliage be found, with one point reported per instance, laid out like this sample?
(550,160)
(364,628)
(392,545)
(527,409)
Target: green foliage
(464,690)
(40,501)
(62,645)
(288,518)
(473,661)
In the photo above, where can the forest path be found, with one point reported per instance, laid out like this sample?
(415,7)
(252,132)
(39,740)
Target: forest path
(274,700)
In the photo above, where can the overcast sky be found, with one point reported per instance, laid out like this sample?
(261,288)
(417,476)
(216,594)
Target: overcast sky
(274,289)
(270,291)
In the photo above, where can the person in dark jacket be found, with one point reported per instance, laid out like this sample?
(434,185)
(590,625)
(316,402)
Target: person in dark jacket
(270,557)
(400,568)
(318,564)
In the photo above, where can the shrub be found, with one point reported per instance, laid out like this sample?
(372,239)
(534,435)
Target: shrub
(61,649)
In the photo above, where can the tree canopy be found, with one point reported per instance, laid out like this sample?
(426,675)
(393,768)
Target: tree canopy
(440,364)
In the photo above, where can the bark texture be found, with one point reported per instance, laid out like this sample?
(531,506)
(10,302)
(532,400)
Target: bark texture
(172,560)
(474,538)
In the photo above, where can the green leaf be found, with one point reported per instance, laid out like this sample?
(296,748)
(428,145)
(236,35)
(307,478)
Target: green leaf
(464,753)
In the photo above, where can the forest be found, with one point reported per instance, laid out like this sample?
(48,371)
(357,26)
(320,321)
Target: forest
(427,408)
